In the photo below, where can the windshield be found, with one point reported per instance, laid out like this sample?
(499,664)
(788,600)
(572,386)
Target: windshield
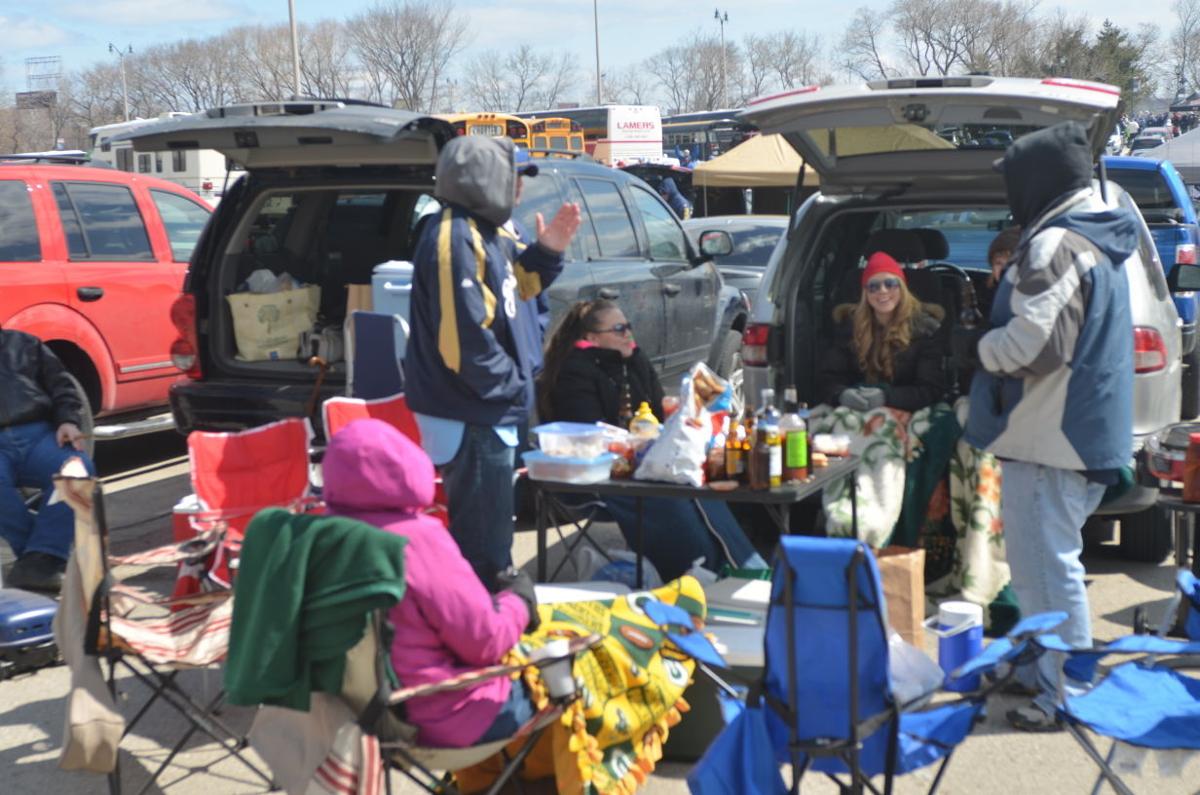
(1145,143)
(852,141)
(968,232)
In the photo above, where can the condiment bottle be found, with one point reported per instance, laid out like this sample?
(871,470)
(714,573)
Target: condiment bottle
(794,430)
(735,463)
(644,424)
(1191,470)
(768,424)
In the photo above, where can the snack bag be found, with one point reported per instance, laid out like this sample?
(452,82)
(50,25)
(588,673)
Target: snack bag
(678,455)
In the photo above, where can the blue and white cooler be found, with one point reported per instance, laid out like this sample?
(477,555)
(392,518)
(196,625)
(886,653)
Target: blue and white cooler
(391,294)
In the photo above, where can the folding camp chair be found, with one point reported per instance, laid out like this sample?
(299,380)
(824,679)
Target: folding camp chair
(150,637)
(236,474)
(338,412)
(1145,702)
(368,685)
(825,702)
(376,355)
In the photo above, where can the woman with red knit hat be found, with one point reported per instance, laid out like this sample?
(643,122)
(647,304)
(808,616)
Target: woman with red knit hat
(884,352)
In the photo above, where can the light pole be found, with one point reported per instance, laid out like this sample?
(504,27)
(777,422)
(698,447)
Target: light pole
(295,49)
(124,86)
(721,20)
(596,27)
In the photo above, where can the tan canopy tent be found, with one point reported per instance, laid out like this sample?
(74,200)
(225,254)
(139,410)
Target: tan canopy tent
(764,161)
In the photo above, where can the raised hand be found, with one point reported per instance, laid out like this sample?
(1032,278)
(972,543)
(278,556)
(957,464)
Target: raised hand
(557,234)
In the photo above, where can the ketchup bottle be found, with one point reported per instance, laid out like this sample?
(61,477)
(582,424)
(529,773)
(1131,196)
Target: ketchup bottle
(1191,470)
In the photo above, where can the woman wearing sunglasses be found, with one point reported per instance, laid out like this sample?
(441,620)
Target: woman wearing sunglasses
(884,352)
(590,358)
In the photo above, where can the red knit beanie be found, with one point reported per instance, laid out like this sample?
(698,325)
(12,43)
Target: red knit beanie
(878,263)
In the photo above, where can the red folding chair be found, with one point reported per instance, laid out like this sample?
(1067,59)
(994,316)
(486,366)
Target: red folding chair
(237,474)
(338,412)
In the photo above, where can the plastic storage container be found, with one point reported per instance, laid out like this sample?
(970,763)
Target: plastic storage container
(568,470)
(26,634)
(572,439)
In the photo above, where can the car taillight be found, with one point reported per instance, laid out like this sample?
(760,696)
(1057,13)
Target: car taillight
(1149,350)
(184,349)
(1185,254)
(754,344)
(206,185)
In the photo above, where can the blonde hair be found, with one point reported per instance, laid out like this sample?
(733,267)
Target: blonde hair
(876,345)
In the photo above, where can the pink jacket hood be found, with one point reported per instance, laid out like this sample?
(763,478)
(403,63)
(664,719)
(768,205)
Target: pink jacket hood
(371,466)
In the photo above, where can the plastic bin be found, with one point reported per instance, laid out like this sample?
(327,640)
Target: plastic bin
(568,470)
(572,439)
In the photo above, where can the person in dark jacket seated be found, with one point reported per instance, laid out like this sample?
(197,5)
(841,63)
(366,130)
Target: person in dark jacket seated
(885,351)
(590,359)
(39,430)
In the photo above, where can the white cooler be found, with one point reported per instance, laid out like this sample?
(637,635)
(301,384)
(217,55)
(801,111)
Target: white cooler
(391,294)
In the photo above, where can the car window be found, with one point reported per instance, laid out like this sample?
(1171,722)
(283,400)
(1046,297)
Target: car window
(610,218)
(752,246)
(968,231)
(18,230)
(538,195)
(665,235)
(183,219)
(1150,192)
(102,222)
(1148,254)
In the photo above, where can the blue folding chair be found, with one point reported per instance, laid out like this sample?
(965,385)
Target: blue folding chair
(377,355)
(1146,702)
(825,702)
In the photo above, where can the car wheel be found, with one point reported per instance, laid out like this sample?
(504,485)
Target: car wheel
(1146,536)
(1189,407)
(729,367)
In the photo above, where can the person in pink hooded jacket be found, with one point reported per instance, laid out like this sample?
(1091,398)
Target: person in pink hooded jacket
(447,623)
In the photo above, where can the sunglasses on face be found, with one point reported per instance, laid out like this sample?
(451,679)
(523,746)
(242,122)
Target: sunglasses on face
(620,328)
(879,285)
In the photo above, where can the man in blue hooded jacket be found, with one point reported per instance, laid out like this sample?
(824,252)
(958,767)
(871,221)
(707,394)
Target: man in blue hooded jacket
(1053,393)
(474,338)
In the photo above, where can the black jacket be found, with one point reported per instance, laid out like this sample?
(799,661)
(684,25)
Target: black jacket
(34,385)
(917,378)
(589,384)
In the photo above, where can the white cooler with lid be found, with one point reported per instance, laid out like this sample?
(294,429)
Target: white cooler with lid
(391,294)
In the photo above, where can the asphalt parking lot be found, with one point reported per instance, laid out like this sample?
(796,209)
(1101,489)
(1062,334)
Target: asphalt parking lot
(993,760)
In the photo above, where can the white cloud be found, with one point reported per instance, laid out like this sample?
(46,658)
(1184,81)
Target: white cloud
(150,13)
(26,33)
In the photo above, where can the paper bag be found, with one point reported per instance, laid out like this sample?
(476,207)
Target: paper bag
(268,325)
(903,572)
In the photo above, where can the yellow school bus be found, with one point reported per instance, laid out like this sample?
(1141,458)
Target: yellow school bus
(556,132)
(493,125)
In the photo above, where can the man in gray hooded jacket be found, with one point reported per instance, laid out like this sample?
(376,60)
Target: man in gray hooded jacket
(1053,393)
(474,339)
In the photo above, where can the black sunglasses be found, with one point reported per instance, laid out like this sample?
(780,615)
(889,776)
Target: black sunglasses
(883,284)
(620,328)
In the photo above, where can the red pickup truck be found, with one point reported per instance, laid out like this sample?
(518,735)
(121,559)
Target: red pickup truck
(91,260)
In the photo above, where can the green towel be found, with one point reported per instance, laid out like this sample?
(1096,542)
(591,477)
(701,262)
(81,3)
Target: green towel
(305,587)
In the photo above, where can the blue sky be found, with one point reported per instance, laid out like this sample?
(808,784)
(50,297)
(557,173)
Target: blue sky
(79,30)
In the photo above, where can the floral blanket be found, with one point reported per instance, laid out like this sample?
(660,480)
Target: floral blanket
(631,693)
(956,518)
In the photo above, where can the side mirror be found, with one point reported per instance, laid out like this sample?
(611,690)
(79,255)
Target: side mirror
(1184,278)
(716,243)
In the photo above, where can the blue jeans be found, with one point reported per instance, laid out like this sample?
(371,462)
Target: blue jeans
(676,533)
(479,490)
(1044,510)
(29,457)
(514,713)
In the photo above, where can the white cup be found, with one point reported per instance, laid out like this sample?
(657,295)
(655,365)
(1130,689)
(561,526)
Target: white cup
(558,676)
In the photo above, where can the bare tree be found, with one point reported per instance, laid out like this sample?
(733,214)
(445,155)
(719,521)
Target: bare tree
(760,64)
(522,80)
(264,61)
(670,67)
(796,56)
(404,48)
(326,70)
(863,44)
(633,85)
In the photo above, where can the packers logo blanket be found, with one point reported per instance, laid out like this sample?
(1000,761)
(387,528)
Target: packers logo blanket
(631,692)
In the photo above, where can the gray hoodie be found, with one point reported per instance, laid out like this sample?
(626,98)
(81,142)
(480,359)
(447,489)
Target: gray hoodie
(479,175)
